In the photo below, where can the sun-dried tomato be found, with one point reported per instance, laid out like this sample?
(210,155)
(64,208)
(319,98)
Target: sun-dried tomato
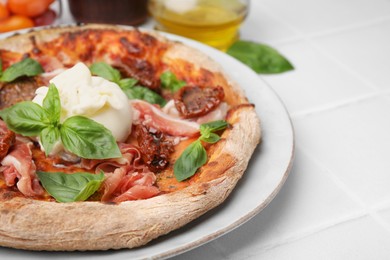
(194,101)
(155,147)
(7,139)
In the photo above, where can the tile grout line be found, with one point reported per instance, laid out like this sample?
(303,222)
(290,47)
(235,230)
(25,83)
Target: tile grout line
(341,29)
(308,232)
(370,211)
(382,206)
(351,194)
(325,53)
(337,30)
(344,66)
(344,103)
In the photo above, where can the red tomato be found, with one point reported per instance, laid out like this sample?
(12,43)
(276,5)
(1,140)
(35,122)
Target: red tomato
(30,8)
(15,22)
(4,13)
(47,18)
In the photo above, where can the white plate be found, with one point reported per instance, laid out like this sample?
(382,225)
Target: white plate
(267,171)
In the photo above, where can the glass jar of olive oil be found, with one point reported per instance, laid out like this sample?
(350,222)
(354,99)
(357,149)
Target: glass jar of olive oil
(214,22)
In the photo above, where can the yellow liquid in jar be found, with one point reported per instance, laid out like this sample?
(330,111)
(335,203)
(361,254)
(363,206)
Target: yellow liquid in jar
(210,24)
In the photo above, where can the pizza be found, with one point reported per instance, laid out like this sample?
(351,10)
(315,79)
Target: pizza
(112,136)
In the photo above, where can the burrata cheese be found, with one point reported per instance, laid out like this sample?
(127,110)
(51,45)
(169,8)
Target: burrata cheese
(94,97)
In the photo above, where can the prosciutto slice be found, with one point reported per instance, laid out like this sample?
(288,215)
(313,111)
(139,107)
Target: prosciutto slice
(219,113)
(18,168)
(127,178)
(152,116)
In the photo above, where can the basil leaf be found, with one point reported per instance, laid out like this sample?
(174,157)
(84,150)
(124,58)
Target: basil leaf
(169,81)
(210,138)
(192,158)
(49,136)
(260,57)
(70,187)
(26,67)
(26,118)
(88,139)
(52,104)
(213,126)
(145,94)
(106,71)
(127,83)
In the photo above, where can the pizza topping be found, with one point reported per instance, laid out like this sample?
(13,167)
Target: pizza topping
(169,81)
(130,181)
(195,155)
(27,67)
(18,164)
(92,97)
(128,85)
(51,65)
(7,139)
(138,192)
(79,135)
(154,117)
(70,187)
(194,101)
(140,69)
(219,113)
(154,146)
(18,91)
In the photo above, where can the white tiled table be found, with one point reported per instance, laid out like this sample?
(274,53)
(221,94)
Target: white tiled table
(336,202)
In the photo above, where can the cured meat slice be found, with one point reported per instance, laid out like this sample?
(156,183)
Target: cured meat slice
(152,116)
(131,181)
(18,164)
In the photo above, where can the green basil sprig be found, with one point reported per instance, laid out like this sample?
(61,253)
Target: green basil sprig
(79,135)
(195,155)
(70,187)
(128,85)
(169,81)
(261,58)
(27,67)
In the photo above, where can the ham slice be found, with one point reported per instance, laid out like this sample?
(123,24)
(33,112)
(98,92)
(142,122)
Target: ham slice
(18,168)
(154,117)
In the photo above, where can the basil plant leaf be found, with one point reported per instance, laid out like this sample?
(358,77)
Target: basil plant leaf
(169,81)
(88,139)
(52,104)
(106,71)
(70,187)
(210,138)
(49,136)
(213,126)
(145,94)
(25,118)
(26,67)
(127,83)
(261,58)
(192,158)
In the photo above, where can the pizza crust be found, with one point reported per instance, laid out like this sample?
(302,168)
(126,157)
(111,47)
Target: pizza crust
(42,225)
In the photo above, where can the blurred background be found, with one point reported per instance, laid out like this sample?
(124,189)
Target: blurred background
(214,22)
